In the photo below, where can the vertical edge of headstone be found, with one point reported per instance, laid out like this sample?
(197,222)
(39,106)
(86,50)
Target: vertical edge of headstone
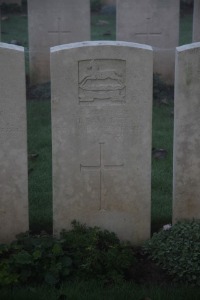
(15,56)
(178,212)
(196,21)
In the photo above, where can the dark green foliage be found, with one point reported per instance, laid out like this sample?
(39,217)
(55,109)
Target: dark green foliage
(109,9)
(95,5)
(161,91)
(39,91)
(34,259)
(10,8)
(82,253)
(186,7)
(177,251)
(187,2)
(97,254)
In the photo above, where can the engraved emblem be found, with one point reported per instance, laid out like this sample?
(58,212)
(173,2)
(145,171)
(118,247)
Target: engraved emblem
(102,80)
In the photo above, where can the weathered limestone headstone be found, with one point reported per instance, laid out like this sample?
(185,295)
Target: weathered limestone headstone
(13,144)
(53,23)
(152,22)
(186,199)
(196,21)
(101,136)
(0,24)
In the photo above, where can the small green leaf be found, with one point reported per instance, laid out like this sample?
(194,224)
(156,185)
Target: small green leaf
(23,258)
(66,261)
(37,254)
(50,279)
(57,250)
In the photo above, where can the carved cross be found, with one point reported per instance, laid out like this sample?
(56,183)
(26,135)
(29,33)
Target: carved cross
(59,32)
(100,167)
(149,32)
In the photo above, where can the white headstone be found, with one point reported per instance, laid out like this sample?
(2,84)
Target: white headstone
(186,200)
(0,24)
(54,23)
(13,144)
(101,136)
(155,23)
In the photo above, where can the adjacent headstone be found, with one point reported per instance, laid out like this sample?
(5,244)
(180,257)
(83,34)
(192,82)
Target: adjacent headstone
(196,21)
(152,22)
(13,144)
(0,24)
(186,200)
(101,136)
(54,23)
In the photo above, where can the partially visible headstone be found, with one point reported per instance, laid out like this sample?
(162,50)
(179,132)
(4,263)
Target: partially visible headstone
(152,22)
(101,136)
(0,24)
(54,23)
(13,144)
(196,21)
(186,199)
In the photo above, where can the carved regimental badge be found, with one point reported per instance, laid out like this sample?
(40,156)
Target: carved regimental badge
(102,81)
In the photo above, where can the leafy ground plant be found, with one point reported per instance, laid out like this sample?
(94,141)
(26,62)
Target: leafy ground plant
(34,259)
(81,253)
(97,254)
(177,250)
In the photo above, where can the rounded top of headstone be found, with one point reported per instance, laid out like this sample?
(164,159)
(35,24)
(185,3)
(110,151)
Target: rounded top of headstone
(188,47)
(11,47)
(100,43)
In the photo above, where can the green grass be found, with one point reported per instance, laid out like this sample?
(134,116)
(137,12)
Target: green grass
(40,177)
(15,27)
(91,291)
(103,27)
(185,28)
(162,137)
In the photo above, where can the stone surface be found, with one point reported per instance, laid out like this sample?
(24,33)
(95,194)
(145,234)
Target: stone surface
(0,24)
(152,22)
(186,190)
(101,136)
(196,21)
(54,23)
(13,141)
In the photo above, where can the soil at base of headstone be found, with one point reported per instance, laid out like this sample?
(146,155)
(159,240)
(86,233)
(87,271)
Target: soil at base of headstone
(145,271)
